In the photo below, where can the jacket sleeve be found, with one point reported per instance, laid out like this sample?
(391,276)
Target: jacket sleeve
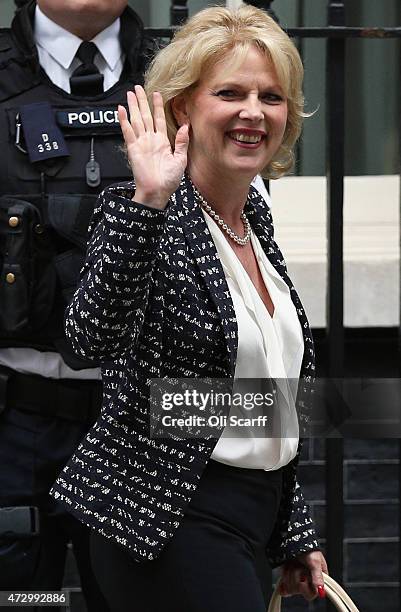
(106,313)
(294,532)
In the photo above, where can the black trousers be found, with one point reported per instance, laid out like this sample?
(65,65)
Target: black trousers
(216,561)
(33,450)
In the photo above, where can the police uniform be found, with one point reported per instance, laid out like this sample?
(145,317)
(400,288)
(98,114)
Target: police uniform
(58,151)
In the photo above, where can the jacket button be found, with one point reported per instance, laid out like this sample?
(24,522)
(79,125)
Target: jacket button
(10,278)
(13,221)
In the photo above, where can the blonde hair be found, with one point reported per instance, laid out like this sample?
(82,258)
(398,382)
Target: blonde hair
(207,38)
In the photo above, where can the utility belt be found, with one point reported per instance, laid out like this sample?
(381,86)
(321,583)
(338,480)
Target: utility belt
(68,399)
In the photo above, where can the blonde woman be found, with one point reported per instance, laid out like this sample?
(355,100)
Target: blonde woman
(183,279)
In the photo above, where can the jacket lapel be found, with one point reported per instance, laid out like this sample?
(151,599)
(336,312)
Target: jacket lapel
(208,262)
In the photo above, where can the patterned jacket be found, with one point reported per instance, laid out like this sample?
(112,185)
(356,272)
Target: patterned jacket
(153,302)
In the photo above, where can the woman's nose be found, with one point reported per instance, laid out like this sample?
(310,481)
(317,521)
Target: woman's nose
(252,109)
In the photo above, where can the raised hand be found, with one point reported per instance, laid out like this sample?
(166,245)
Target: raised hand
(157,169)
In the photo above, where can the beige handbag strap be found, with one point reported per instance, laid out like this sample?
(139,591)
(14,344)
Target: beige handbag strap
(334,592)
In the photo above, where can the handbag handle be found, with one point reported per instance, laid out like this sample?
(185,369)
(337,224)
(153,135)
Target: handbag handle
(335,593)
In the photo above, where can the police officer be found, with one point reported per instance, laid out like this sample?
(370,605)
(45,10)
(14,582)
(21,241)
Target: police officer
(64,67)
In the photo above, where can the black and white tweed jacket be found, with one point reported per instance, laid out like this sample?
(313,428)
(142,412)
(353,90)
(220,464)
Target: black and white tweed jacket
(153,302)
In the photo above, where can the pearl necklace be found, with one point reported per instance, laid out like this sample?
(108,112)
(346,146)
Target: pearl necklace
(242,241)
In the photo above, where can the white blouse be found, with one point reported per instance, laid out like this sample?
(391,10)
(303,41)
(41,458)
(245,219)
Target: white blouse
(268,348)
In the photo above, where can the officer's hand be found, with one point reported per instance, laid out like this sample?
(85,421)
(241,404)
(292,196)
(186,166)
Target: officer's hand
(157,169)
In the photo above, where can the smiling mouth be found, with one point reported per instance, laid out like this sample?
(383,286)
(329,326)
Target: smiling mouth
(246,138)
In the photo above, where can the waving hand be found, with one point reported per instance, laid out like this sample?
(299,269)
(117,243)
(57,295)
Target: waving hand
(157,169)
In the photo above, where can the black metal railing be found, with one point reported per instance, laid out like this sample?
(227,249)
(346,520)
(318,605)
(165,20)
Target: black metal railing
(336,33)
(335,69)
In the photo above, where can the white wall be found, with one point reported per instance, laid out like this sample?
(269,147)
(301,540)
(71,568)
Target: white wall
(371,245)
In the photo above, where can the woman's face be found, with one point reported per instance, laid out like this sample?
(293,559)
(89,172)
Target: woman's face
(237,118)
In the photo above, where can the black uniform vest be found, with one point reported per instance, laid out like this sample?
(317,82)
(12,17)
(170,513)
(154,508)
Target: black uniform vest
(46,205)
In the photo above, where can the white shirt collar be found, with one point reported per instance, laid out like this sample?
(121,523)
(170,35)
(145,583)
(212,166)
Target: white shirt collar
(62,45)
(108,43)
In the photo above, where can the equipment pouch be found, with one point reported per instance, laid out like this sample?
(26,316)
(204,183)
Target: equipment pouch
(27,275)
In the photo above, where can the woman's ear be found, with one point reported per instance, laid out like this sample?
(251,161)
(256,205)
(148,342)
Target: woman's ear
(179,106)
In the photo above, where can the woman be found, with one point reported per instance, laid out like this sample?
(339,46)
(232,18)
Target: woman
(184,280)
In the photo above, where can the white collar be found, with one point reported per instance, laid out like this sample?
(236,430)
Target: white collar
(108,43)
(62,45)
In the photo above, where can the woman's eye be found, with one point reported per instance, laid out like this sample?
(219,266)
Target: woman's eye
(272,98)
(227,93)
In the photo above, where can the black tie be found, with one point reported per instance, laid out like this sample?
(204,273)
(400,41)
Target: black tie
(86,80)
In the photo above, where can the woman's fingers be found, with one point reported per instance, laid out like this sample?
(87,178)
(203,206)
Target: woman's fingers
(297,578)
(126,128)
(292,578)
(135,114)
(158,114)
(305,587)
(297,585)
(141,115)
(316,564)
(181,144)
(144,109)
(316,567)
